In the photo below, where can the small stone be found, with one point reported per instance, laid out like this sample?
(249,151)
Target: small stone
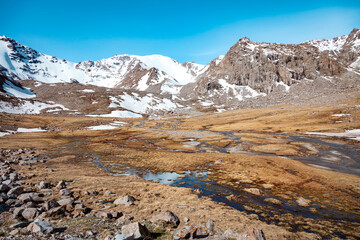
(254,191)
(14,232)
(273,201)
(56,211)
(303,202)
(103,215)
(127,200)
(168,217)
(137,229)
(13,176)
(40,226)
(186,220)
(20,225)
(124,236)
(4,188)
(65,192)
(210,225)
(29,213)
(44,185)
(29,197)
(108,193)
(61,185)
(51,203)
(66,201)
(16,191)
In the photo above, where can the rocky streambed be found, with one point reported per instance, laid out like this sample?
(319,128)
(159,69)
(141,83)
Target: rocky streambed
(46,210)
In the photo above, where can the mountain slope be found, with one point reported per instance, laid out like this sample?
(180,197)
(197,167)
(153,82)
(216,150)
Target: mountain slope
(155,73)
(260,68)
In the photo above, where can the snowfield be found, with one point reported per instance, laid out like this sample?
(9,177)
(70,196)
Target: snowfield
(27,107)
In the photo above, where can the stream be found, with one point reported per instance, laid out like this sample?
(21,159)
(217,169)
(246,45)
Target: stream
(338,157)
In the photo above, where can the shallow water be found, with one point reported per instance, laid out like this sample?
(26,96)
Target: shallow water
(201,180)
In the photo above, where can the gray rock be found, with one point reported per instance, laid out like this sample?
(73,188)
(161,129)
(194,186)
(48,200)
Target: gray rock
(4,187)
(40,226)
(56,211)
(18,212)
(20,225)
(16,191)
(303,202)
(210,225)
(13,176)
(127,200)
(103,215)
(51,203)
(168,217)
(121,236)
(29,197)
(30,213)
(61,185)
(65,192)
(66,201)
(44,185)
(108,193)
(138,230)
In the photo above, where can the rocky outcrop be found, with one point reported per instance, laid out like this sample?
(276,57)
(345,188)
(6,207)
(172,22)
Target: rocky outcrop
(264,66)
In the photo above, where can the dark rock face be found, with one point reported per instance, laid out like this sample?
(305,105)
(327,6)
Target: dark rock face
(262,66)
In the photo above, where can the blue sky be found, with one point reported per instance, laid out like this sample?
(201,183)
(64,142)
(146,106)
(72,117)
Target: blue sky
(184,30)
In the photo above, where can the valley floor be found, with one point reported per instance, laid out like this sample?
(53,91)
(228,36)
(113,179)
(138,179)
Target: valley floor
(243,169)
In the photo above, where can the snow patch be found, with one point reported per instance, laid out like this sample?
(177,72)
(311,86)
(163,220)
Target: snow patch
(352,134)
(87,91)
(27,107)
(27,130)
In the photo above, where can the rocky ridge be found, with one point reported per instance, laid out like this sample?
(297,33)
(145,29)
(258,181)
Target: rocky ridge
(251,74)
(255,69)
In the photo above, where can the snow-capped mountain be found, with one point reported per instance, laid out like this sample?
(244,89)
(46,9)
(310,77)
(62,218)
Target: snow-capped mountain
(130,85)
(154,73)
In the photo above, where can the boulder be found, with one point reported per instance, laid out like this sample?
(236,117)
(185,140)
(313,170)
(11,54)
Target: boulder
(29,197)
(56,211)
(127,200)
(40,226)
(66,201)
(138,230)
(168,217)
(30,213)
(51,203)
